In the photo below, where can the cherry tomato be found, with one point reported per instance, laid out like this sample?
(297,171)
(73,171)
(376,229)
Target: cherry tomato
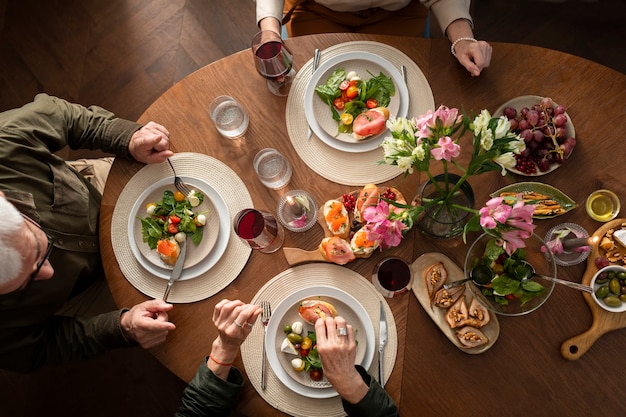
(354,82)
(371,103)
(304,352)
(307,343)
(352,91)
(344,85)
(339,103)
(172,228)
(178,196)
(174,219)
(347,118)
(509,297)
(316,374)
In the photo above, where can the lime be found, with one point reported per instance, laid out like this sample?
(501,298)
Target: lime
(303,201)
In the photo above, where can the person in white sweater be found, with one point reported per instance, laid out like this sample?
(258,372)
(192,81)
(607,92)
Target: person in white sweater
(387,17)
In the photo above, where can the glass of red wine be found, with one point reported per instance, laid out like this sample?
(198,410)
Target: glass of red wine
(259,229)
(273,61)
(392,276)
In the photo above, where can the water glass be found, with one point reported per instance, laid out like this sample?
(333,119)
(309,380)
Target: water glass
(392,277)
(259,229)
(230,117)
(272,168)
(273,61)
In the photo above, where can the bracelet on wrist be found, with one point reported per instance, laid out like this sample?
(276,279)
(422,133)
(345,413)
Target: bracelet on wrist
(464,38)
(220,362)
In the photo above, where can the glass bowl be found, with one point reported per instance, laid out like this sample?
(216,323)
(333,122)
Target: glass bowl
(297,211)
(543,263)
(597,282)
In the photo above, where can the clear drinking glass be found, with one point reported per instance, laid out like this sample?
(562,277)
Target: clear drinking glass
(259,229)
(230,117)
(273,61)
(272,168)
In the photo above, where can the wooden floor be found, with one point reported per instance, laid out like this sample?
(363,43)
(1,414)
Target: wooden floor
(123,54)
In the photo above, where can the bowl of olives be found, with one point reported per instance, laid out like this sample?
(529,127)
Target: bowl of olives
(609,285)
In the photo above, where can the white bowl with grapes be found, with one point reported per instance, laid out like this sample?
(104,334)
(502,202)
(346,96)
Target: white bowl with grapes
(546,129)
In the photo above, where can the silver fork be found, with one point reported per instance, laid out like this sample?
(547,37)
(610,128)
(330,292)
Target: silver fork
(265,318)
(316,63)
(178,182)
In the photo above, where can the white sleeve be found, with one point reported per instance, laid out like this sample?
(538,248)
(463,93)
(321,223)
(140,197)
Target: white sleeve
(269,8)
(447,11)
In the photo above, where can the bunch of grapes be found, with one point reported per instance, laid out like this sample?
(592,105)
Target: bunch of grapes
(542,127)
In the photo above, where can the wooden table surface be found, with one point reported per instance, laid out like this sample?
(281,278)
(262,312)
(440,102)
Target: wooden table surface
(524,373)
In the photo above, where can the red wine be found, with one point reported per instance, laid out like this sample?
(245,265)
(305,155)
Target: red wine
(394,274)
(259,229)
(250,225)
(275,60)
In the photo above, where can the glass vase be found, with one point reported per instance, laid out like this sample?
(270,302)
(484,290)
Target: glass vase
(443,221)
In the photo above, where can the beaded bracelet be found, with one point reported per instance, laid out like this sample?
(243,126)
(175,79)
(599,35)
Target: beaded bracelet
(218,362)
(464,38)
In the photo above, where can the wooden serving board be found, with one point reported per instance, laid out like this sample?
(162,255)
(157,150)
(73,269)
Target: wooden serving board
(603,321)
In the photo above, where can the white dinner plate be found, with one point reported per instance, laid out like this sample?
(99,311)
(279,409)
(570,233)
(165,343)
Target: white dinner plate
(287,313)
(208,258)
(318,113)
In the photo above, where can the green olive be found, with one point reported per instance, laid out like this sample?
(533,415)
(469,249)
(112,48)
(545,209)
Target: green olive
(602,292)
(621,275)
(623,297)
(614,286)
(287,329)
(612,301)
(294,338)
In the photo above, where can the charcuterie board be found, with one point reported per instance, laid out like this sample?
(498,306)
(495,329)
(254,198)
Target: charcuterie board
(603,321)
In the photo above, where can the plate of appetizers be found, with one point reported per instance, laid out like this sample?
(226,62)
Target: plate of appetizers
(201,257)
(324,117)
(548,201)
(462,318)
(303,307)
(547,130)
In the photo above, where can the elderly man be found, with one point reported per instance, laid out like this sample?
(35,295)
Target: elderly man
(49,234)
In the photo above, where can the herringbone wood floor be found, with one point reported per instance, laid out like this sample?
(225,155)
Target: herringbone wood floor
(123,54)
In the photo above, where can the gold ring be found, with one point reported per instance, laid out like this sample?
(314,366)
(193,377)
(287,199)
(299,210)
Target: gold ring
(342,331)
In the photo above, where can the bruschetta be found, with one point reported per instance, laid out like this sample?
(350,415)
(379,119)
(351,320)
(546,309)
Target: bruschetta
(361,245)
(168,250)
(370,123)
(336,250)
(311,310)
(368,196)
(337,218)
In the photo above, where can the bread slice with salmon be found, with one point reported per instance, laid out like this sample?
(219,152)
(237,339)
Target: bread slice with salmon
(336,218)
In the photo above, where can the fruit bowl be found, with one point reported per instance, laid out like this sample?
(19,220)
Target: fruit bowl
(522,296)
(607,294)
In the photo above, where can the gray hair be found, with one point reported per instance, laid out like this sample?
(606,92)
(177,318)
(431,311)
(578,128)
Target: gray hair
(10,223)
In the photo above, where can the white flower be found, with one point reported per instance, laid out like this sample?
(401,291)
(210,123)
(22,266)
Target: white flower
(517,146)
(486,140)
(400,125)
(506,160)
(405,163)
(419,152)
(481,122)
(503,127)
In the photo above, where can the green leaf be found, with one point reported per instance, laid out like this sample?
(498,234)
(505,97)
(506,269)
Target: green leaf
(504,285)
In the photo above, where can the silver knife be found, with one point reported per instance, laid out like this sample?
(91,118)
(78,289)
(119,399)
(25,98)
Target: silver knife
(382,341)
(316,63)
(177,271)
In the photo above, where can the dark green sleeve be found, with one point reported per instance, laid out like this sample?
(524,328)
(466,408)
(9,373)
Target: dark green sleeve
(376,403)
(60,339)
(209,395)
(58,123)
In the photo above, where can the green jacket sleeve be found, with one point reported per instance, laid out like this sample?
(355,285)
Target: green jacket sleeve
(376,403)
(209,395)
(59,123)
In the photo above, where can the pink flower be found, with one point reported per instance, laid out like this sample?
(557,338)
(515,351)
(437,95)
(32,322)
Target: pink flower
(514,239)
(448,117)
(446,149)
(380,228)
(494,213)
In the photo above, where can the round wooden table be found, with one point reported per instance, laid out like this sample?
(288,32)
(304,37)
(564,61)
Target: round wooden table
(524,372)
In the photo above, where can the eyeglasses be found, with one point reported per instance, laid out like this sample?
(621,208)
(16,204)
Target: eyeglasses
(51,240)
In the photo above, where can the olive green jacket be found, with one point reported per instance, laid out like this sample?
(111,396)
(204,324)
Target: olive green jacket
(208,395)
(42,186)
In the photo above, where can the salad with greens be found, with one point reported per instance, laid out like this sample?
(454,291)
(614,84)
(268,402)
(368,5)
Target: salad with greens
(349,94)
